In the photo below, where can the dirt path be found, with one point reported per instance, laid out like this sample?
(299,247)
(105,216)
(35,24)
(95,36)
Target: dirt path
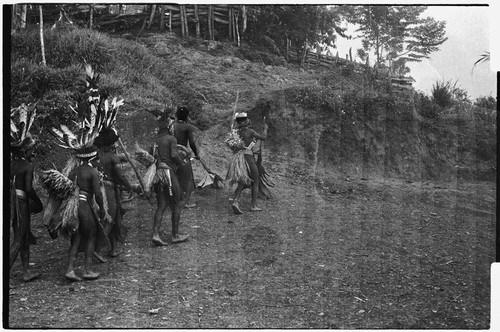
(362,254)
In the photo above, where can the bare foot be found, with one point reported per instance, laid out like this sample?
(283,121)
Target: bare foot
(158,242)
(100,258)
(91,275)
(28,276)
(72,276)
(180,238)
(236,209)
(254,209)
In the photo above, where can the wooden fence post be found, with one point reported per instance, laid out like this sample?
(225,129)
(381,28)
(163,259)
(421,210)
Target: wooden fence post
(152,16)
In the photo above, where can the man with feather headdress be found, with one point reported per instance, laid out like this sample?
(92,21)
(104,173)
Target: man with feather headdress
(113,176)
(24,200)
(78,192)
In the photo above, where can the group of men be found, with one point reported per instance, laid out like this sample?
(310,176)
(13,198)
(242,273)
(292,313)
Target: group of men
(99,179)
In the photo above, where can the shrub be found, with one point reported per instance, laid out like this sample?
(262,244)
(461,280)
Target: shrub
(442,93)
(489,102)
(427,107)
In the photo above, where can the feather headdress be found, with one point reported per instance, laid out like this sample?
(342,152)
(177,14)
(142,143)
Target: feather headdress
(21,120)
(92,82)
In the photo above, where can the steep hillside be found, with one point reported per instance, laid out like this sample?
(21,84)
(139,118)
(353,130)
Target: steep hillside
(325,122)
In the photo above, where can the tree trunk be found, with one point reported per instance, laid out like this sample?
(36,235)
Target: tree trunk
(170,20)
(244,18)
(197,18)
(24,12)
(152,16)
(41,36)
(162,18)
(237,30)
(186,26)
(91,18)
(181,16)
(231,24)
(210,22)
(120,9)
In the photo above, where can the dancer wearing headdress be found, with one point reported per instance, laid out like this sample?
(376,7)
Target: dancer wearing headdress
(113,176)
(78,191)
(24,200)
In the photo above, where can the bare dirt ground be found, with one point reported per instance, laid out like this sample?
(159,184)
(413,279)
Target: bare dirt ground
(358,254)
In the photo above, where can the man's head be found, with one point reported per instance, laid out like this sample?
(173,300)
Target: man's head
(242,119)
(107,137)
(166,120)
(182,113)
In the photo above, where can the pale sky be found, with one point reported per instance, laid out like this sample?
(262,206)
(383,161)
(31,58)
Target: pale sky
(468,30)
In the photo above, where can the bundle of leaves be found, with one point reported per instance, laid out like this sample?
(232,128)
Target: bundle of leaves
(234,141)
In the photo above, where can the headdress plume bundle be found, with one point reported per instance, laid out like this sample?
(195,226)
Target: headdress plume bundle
(21,120)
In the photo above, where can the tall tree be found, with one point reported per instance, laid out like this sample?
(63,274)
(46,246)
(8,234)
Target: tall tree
(398,34)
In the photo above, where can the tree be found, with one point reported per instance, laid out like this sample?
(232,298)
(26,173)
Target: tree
(397,34)
(301,26)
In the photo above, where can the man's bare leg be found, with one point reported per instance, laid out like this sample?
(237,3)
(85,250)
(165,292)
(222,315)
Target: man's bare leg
(89,251)
(73,251)
(114,247)
(237,193)
(176,217)
(160,209)
(25,260)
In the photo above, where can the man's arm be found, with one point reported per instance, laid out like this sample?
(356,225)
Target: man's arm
(173,152)
(262,136)
(118,175)
(96,188)
(192,144)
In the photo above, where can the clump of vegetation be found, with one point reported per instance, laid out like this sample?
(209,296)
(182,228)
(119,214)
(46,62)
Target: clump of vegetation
(488,102)
(442,93)
(447,93)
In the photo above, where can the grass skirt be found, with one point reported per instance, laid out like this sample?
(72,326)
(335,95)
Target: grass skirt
(238,170)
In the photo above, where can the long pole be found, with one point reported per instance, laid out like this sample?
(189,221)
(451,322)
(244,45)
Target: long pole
(234,111)
(133,167)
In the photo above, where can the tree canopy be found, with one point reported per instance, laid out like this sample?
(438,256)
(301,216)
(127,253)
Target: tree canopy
(398,34)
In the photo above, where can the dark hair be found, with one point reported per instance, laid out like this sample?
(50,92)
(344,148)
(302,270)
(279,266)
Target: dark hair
(106,137)
(182,113)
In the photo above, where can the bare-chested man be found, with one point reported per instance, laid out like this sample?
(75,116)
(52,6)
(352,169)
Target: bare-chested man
(168,190)
(113,177)
(89,235)
(249,136)
(184,133)
(24,201)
